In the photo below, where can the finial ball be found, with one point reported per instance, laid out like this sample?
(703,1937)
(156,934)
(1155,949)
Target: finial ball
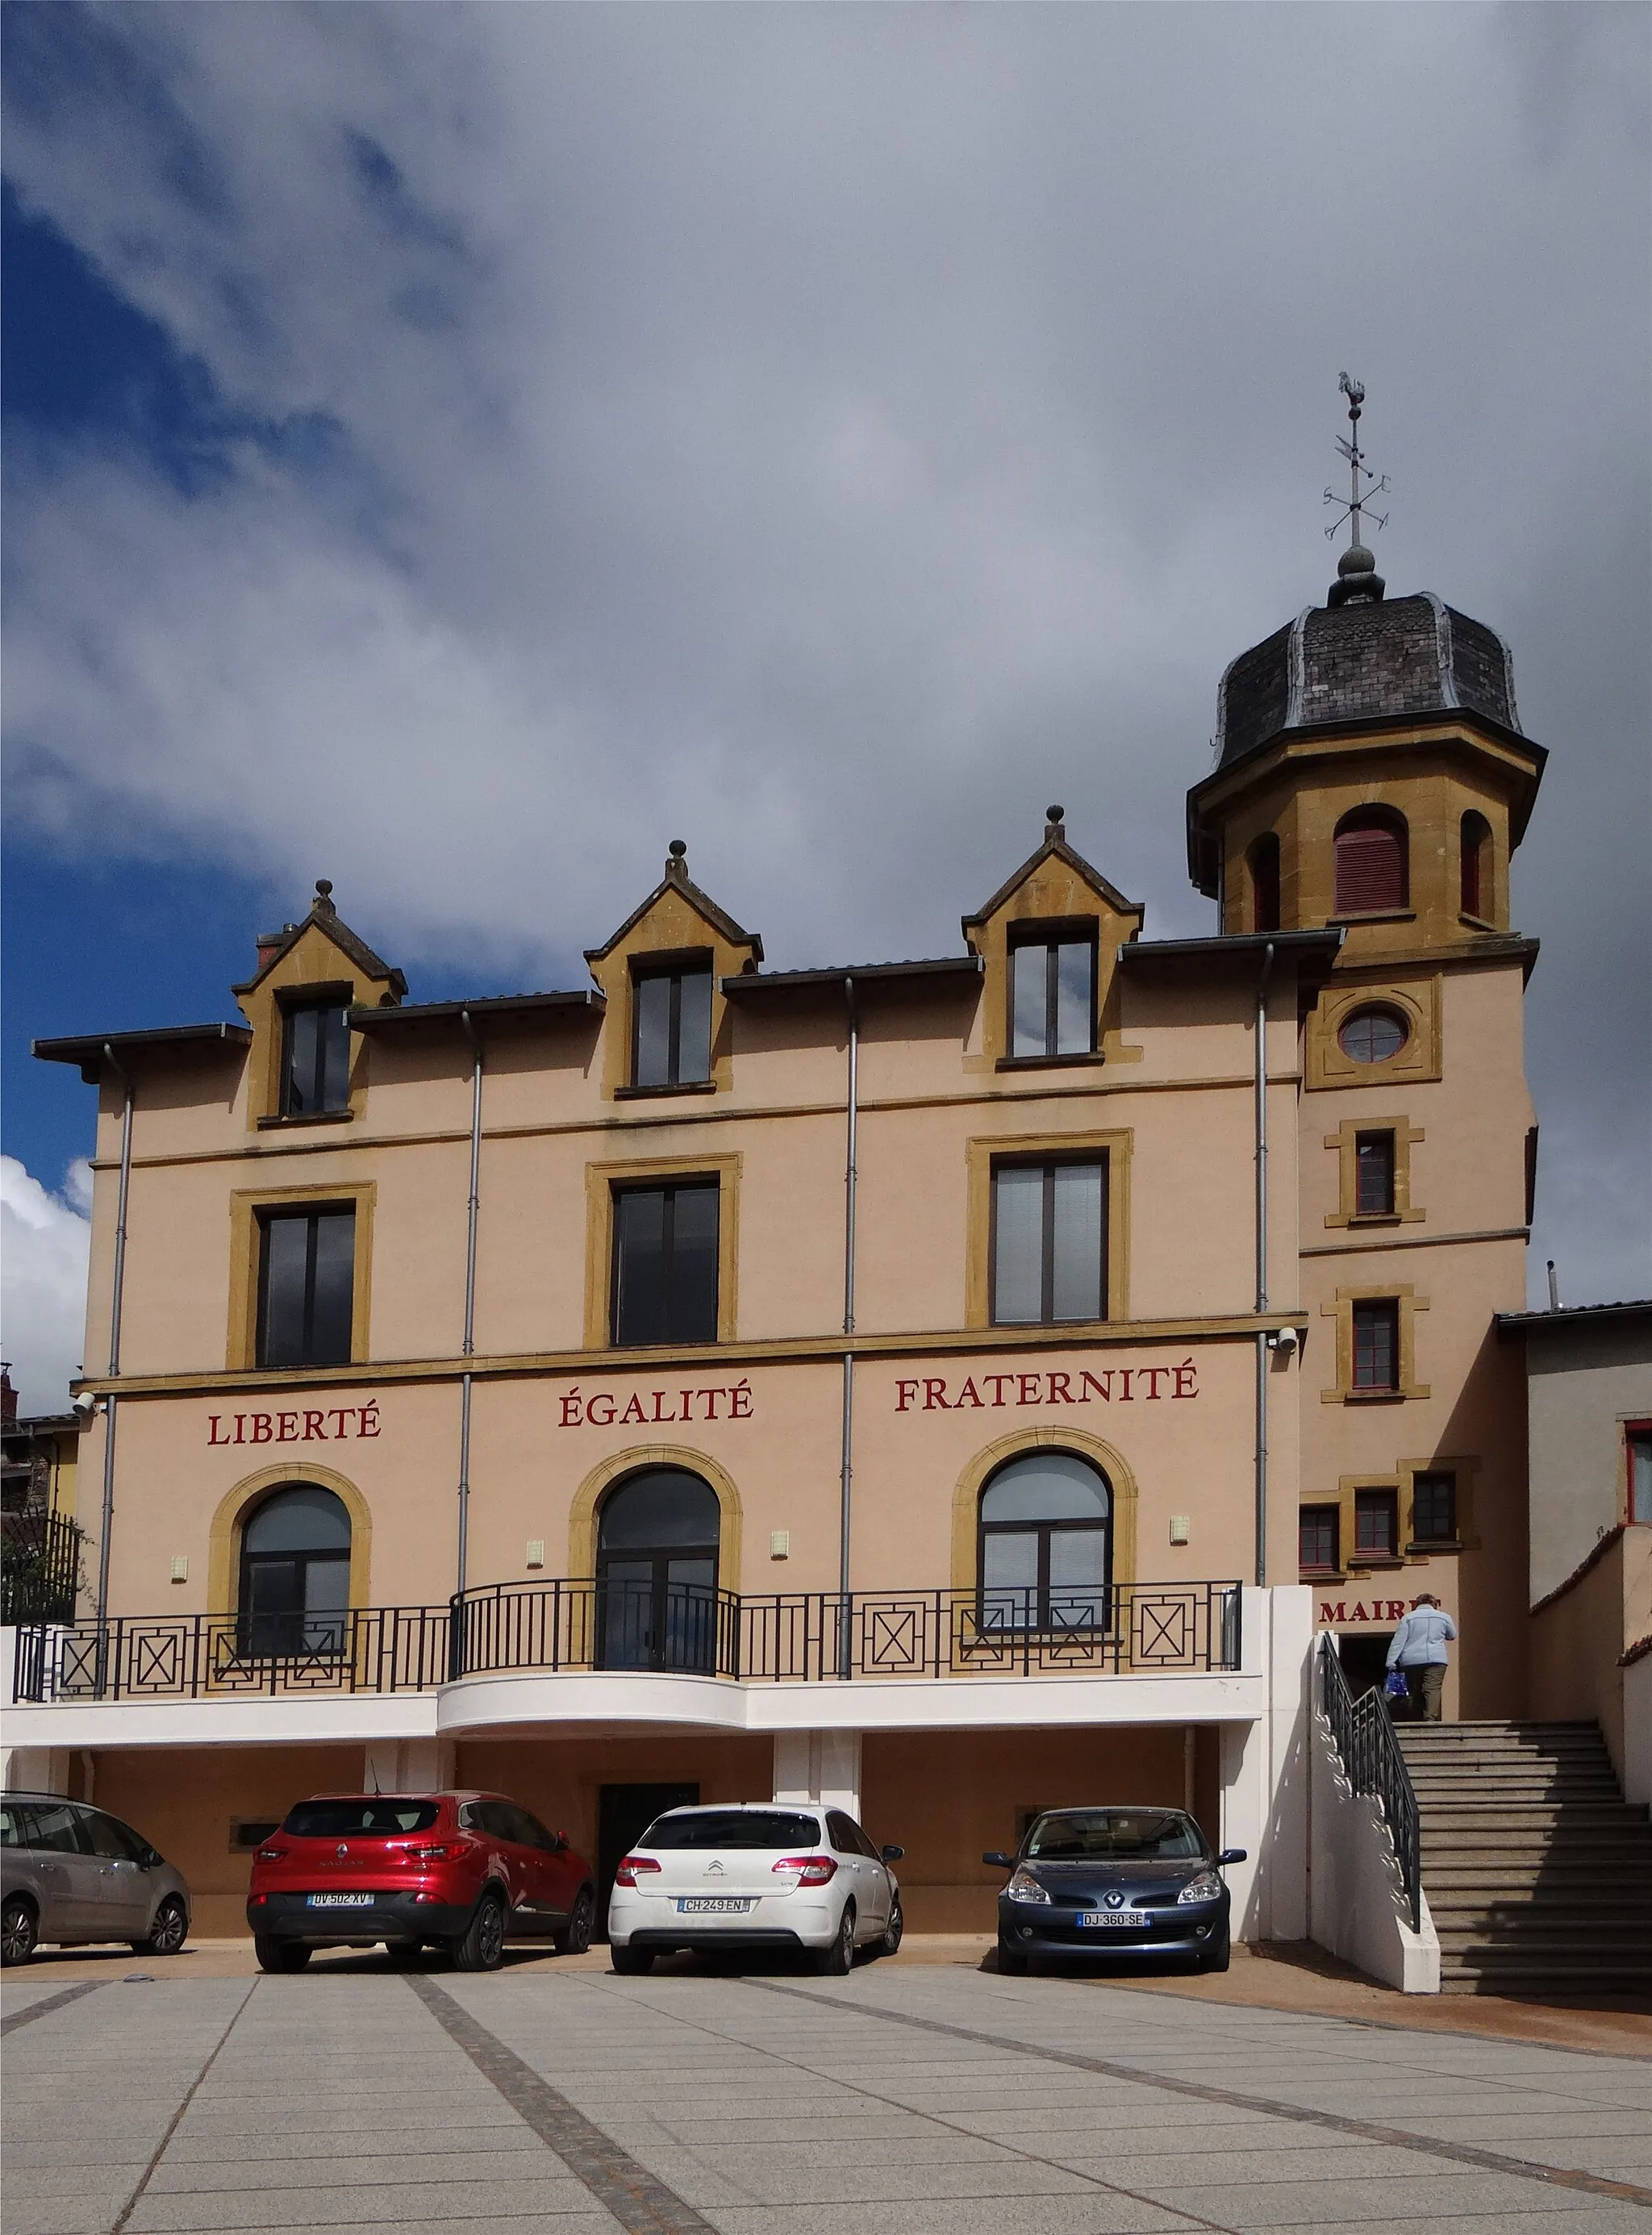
(678,848)
(1356,559)
(1055,813)
(324,887)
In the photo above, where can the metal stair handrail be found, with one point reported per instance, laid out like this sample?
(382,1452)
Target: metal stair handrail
(1365,1738)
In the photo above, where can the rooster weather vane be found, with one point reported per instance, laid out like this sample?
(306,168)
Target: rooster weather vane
(1363,484)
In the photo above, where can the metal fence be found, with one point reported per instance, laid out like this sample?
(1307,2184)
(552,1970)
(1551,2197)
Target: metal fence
(581,1625)
(1365,1738)
(40,1567)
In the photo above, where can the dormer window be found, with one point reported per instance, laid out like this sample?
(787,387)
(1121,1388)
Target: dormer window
(1052,991)
(672,1024)
(315,1058)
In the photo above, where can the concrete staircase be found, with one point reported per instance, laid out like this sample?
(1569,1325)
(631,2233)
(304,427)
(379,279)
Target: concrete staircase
(1538,1871)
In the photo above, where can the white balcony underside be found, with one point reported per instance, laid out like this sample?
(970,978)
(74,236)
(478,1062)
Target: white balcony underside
(588,1705)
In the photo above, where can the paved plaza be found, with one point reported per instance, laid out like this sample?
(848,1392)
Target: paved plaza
(902,2100)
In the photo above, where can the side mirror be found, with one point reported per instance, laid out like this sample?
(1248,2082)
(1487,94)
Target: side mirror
(1233,1855)
(559,1841)
(1004,1862)
(893,1854)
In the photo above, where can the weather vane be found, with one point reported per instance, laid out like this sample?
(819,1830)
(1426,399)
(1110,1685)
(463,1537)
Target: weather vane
(1363,484)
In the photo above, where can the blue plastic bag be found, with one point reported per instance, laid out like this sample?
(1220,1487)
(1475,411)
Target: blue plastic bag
(1396,1687)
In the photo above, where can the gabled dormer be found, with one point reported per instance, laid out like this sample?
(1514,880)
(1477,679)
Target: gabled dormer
(666,1029)
(307,1067)
(1049,939)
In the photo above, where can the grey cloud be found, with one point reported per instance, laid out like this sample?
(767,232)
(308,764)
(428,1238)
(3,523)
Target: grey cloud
(832,434)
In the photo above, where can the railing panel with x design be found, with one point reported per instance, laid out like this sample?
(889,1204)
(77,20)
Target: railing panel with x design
(580,1626)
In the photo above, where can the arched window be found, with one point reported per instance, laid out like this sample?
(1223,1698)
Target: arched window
(1371,869)
(657,1553)
(1264,883)
(294,1595)
(1476,865)
(1045,1544)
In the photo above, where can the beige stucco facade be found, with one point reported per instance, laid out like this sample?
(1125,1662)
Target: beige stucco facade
(1214,1394)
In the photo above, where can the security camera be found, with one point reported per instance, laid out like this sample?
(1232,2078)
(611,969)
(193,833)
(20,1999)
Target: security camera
(1282,1339)
(85,1403)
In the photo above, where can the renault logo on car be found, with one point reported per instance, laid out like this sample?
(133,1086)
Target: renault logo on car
(1115,1901)
(341,1851)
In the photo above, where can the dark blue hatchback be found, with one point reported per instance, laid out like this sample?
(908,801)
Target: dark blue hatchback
(1139,1883)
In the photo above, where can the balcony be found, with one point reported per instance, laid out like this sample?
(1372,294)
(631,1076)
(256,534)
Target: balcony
(573,1628)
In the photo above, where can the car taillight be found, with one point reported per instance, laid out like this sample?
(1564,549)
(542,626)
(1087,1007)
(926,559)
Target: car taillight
(633,1867)
(812,1870)
(430,1854)
(271,1855)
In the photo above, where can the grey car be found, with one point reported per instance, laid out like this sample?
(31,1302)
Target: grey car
(71,1874)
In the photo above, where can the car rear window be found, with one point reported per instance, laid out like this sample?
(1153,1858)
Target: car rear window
(377,1818)
(1115,1835)
(733,1827)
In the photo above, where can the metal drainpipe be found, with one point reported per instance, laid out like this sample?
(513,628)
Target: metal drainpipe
(470,1345)
(114,1346)
(1262,1262)
(845,1647)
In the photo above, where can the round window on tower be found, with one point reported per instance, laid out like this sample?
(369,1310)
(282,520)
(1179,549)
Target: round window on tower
(1373,1035)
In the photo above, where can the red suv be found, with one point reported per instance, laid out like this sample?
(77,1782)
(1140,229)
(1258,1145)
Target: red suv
(464,1871)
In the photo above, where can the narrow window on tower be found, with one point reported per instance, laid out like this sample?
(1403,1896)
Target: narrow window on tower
(1264,883)
(672,1025)
(1376,1346)
(1434,1509)
(1475,857)
(1052,991)
(315,1058)
(1374,1172)
(1376,1525)
(1316,1536)
(1370,855)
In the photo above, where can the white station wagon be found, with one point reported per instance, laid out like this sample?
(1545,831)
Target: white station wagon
(754,1875)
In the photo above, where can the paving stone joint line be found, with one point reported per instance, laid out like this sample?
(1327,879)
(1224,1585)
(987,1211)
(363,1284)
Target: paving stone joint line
(46,2004)
(1621,2191)
(193,2089)
(641,2204)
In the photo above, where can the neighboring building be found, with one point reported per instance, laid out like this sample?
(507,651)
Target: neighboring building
(39,1541)
(1588,1407)
(988,1497)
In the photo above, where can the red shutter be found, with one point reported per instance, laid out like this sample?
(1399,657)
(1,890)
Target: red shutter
(1370,870)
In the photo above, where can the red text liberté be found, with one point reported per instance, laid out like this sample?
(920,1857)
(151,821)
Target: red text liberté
(336,1425)
(1120,1385)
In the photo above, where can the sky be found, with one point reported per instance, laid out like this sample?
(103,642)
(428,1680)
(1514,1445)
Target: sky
(454,450)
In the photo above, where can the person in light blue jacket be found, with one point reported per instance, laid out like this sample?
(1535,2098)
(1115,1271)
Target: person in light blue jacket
(1418,1647)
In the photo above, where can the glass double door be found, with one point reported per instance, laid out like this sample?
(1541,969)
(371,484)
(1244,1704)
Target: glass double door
(658,1610)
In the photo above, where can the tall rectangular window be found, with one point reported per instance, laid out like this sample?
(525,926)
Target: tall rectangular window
(1317,1533)
(672,1026)
(306,1286)
(1053,995)
(1638,1437)
(1049,1243)
(1376,1525)
(1434,1509)
(1373,1168)
(1376,1346)
(315,1059)
(665,1263)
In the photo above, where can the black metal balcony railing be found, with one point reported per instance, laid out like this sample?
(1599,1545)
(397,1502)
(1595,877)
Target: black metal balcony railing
(1365,1738)
(40,1567)
(581,1626)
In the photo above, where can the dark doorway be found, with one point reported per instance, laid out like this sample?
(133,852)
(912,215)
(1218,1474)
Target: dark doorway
(657,1553)
(1365,1661)
(624,1813)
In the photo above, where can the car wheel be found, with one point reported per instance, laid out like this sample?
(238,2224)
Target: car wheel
(168,1932)
(892,1931)
(838,1960)
(631,1962)
(19,1931)
(281,1955)
(404,1953)
(481,1946)
(576,1937)
(1215,1958)
(1012,1964)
